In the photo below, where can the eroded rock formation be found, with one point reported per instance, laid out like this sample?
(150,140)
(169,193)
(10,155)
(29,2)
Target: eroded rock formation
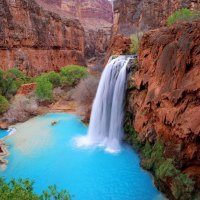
(132,16)
(165,99)
(37,40)
(96,17)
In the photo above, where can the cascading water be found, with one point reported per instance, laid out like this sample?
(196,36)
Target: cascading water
(106,123)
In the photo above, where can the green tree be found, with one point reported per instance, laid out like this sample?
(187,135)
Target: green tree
(54,78)
(10,81)
(72,74)
(23,190)
(44,89)
(4,105)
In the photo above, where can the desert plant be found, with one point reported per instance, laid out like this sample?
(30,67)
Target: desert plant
(182,14)
(72,74)
(24,190)
(44,89)
(4,105)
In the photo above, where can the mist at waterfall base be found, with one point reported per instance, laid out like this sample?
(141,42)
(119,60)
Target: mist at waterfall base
(47,154)
(106,123)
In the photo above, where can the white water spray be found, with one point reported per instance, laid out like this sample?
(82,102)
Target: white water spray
(106,123)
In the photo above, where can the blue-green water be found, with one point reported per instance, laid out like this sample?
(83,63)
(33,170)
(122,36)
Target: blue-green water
(47,154)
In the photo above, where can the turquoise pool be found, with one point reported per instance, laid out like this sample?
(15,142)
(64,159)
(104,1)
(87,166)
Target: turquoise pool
(47,154)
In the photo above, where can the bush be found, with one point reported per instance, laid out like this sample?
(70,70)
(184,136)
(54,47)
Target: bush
(4,105)
(54,78)
(10,81)
(182,14)
(72,74)
(44,89)
(183,186)
(23,190)
(135,42)
(166,169)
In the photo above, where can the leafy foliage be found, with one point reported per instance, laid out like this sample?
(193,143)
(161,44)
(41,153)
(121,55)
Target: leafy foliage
(10,81)
(23,190)
(132,136)
(135,42)
(183,185)
(44,89)
(182,14)
(4,105)
(166,169)
(72,74)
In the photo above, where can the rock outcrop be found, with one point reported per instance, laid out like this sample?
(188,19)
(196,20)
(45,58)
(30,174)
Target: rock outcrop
(165,98)
(132,16)
(89,9)
(37,40)
(96,17)
(119,45)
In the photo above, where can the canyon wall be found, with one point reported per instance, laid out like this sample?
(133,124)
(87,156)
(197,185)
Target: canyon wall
(37,40)
(96,17)
(165,95)
(132,16)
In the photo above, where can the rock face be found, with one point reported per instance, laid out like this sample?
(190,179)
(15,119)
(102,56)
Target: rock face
(36,40)
(165,100)
(119,45)
(89,9)
(26,88)
(96,17)
(132,16)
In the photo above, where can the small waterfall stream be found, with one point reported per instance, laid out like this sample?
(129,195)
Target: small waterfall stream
(106,123)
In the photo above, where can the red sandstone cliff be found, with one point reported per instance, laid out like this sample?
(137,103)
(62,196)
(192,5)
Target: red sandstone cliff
(165,100)
(37,40)
(140,15)
(96,17)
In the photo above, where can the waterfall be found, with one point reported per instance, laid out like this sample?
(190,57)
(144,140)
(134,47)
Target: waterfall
(106,123)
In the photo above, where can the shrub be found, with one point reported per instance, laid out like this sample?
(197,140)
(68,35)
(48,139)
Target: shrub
(166,169)
(135,42)
(11,80)
(183,186)
(54,78)
(4,105)
(23,190)
(44,89)
(182,14)
(147,150)
(72,74)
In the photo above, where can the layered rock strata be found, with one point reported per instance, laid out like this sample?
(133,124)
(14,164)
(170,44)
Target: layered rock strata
(132,16)
(164,99)
(36,40)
